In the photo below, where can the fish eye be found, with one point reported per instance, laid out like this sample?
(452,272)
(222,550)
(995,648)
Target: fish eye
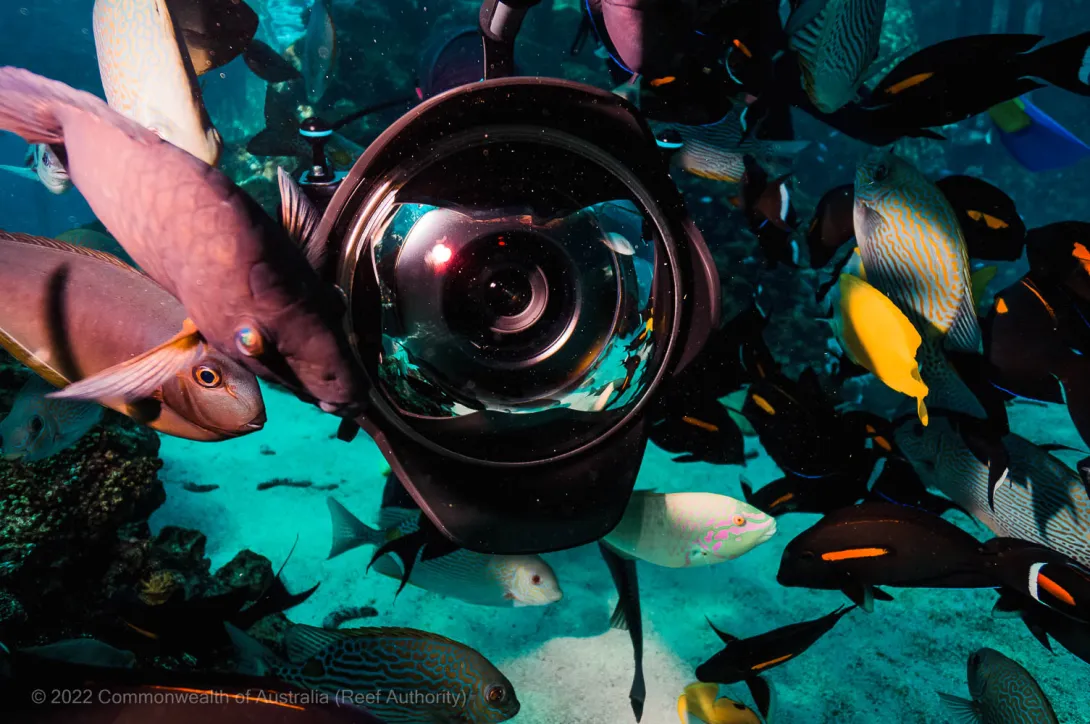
(739,520)
(535,580)
(881,172)
(249,341)
(207,377)
(495,694)
(36,424)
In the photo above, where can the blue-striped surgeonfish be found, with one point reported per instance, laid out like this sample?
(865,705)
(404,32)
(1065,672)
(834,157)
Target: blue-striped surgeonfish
(148,76)
(1044,503)
(402,675)
(480,578)
(837,42)
(1002,691)
(914,252)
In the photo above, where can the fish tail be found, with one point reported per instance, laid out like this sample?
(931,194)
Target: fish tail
(253,658)
(349,531)
(33,107)
(1065,64)
(946,390)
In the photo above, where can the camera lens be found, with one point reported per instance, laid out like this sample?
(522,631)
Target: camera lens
(508,295)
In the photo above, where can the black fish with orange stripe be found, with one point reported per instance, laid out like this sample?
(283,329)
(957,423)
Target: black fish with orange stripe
(1045,622)
(746,659)
(766,203)
(875,544)
(988,218)
(1043,574)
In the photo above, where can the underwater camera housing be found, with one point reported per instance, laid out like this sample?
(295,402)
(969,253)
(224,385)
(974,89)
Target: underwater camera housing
(522,277)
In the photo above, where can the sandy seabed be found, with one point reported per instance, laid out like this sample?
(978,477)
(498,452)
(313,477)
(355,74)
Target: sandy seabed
(567,666)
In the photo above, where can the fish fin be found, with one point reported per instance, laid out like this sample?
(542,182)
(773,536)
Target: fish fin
(1083,466)
(140,376)
(267,64)
(276,599)
(698,698)
(349,531)
(301,218)
(407,549)
(1009,605)
(1034,139)
(61,245)
(32,107)
(964,332)
(807,15)
(761,693)
(1050,447)
(253,659)
(1065,64)
(964,711)
(618,620)
(723,635)
(1038,633)
(885,61)
(302,642)
(21,171)
(870,222)
(347,430)
(862,595)
(273,142)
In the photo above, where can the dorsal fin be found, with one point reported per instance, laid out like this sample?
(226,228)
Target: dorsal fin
(47,243)
(303,642)
(300,218)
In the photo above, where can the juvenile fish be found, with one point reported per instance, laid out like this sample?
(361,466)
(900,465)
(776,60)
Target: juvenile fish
(686,530)
(246,287)
(148,76)
(1002,691)
(486,580)
(69,312)
(38,427)
(423,677)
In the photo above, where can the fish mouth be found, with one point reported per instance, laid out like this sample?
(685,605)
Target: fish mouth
(257,423)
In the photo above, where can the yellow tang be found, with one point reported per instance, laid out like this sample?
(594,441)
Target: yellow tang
(878,336)
(698,705)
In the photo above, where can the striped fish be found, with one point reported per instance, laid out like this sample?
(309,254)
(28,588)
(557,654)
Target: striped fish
(148,75)
(716,150)
(914,252)
(486,580)
(1002,691)
(402,675)
(38,427)
(837,42)
(1044,503)
(687,530)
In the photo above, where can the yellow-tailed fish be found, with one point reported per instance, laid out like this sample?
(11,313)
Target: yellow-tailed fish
(686,530)
(716,150)
(319,51)
(1045,502)
(37,427)
(878,336)
(914,252)
(483,579)
(148,76)
(837,42)
(699,705)
(69,312)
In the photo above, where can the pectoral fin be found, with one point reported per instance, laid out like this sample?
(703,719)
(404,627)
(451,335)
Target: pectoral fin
(142,375)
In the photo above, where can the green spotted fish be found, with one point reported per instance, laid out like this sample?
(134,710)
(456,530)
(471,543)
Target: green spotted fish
(914,252)
(837,42)
(402,675)
(1002,691)
(486,580)
(148,75)
(1045,502)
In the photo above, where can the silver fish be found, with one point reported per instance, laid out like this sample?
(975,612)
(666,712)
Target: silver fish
(246,286)
(486,580)
(837,42)
(86,652)
(319,51)
(42,164)
(148,75)
(38,427)
(686,530)
(1002,691)
(1044,503)
(420,676)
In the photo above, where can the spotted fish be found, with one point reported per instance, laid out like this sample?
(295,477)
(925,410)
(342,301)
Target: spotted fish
(486,580)
(1044,503)
(418,676)
(717,150)
(1002,691)
(837,42)
(914,252)
(38,427)
(687,530)
(148,75)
